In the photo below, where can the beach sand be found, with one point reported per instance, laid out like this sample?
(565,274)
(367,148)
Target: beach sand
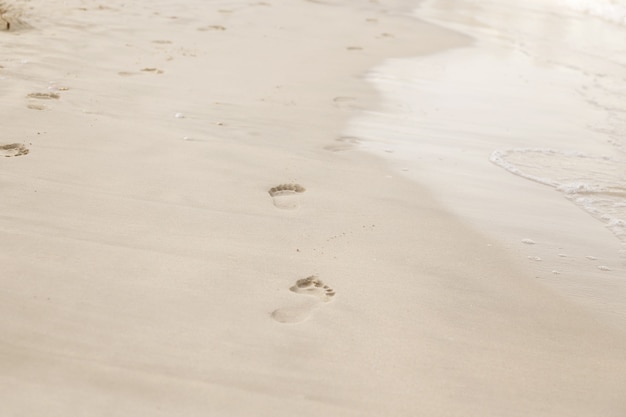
(186,231)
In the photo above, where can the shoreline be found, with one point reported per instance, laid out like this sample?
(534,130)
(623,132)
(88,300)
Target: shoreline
(160,257)
(562,245)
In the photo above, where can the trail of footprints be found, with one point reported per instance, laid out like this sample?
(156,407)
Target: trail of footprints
(282,196)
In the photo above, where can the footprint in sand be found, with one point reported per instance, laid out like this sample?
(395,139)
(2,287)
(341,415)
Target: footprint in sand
(285,195)
(211,27)
(13,149)
(347,103)
(344,143)
(10,18)
(152,70)
(44,96)
(312,286)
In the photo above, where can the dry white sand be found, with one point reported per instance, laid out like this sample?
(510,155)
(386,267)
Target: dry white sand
(147,270)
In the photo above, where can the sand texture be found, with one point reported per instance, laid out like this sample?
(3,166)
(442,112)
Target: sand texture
(185,231)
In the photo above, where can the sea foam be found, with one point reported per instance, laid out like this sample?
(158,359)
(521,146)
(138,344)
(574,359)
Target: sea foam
(595,183)
(610,10)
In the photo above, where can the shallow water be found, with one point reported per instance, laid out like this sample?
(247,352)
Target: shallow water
(541,94)
(613,11)
(518,132)
(594,183)
(589,167)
